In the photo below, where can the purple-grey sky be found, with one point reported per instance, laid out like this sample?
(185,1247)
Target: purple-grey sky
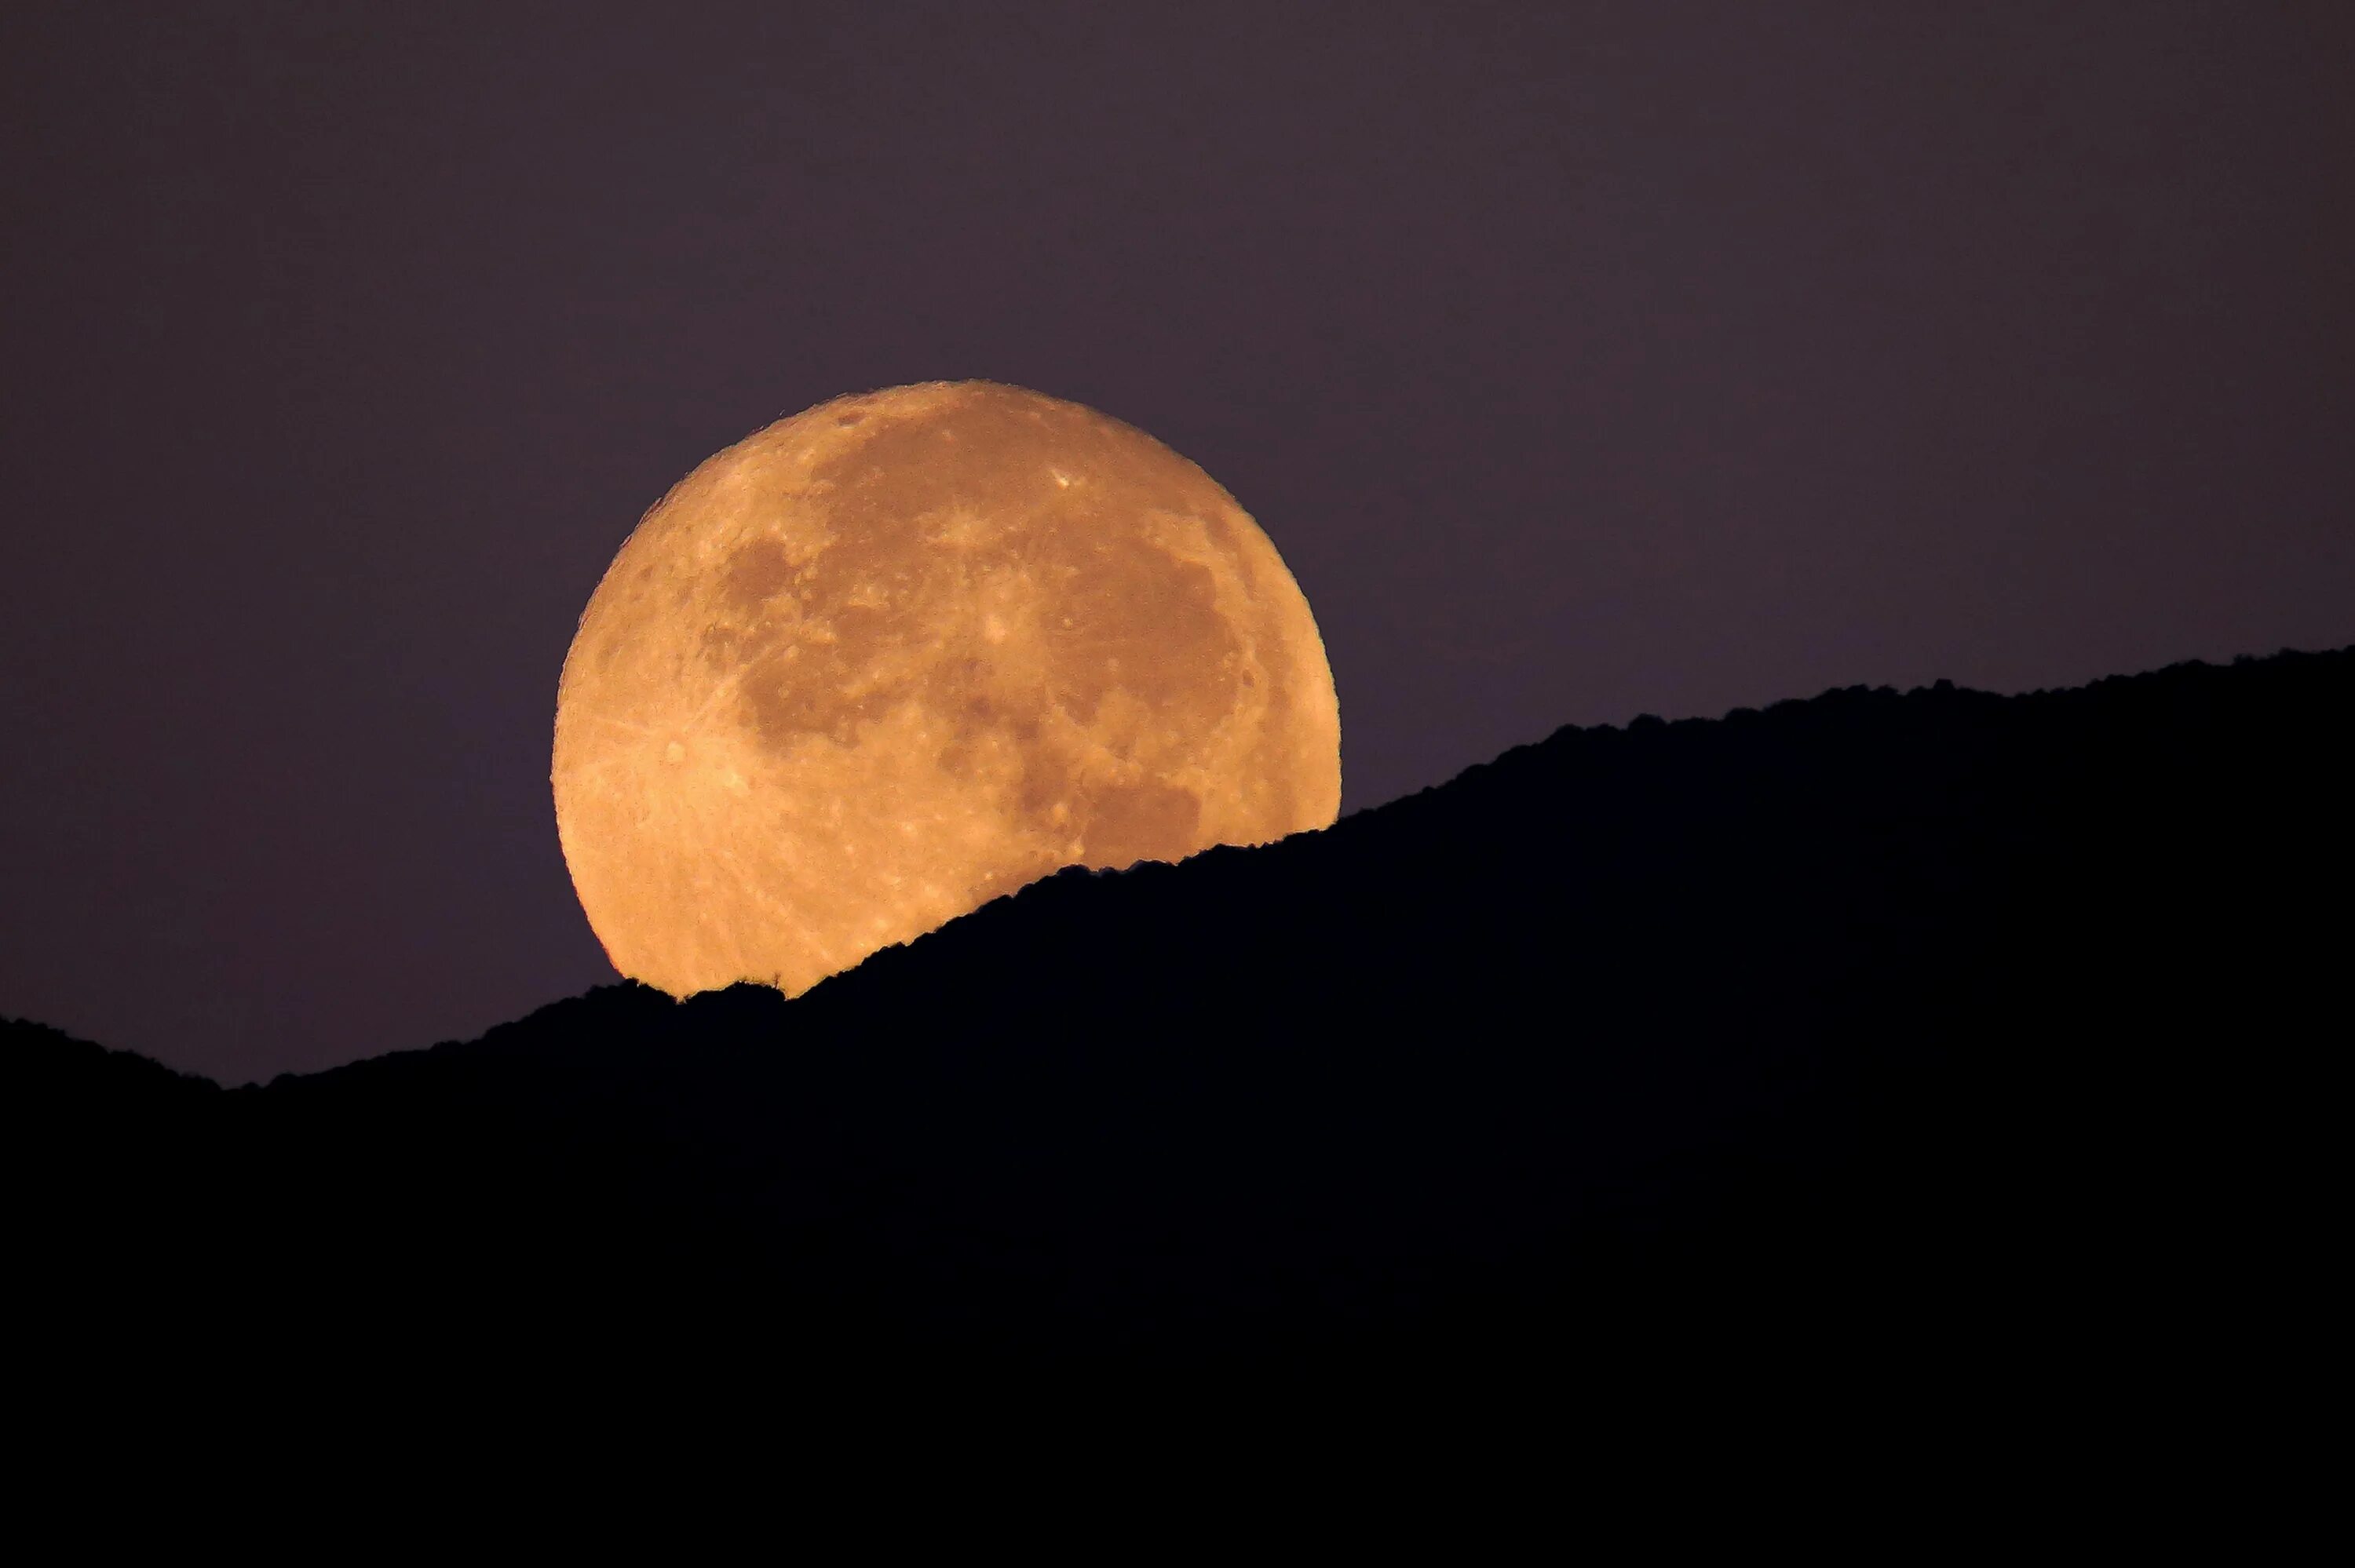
(1582,359)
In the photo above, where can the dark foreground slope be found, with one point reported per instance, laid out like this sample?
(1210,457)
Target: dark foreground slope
(1878,1038)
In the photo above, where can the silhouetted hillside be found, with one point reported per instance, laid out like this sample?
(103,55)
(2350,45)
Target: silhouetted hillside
(1881,1038)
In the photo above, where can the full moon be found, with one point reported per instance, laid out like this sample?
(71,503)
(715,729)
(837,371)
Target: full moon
(906,652)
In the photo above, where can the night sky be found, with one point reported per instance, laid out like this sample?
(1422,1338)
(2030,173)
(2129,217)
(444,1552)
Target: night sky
(1583,361)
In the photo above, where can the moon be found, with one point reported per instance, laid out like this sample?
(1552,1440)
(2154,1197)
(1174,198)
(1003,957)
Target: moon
(904,652)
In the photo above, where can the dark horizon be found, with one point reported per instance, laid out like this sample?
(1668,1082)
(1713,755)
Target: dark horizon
(1975,789)
(1958,1051)
(1583,361)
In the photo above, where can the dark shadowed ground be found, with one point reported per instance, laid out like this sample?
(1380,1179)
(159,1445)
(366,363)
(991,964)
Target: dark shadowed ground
(1937,1050)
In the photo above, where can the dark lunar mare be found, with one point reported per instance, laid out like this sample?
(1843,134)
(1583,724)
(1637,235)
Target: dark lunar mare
(1908,1061)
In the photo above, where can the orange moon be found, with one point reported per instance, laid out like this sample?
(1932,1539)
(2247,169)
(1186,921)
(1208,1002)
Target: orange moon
(902,653)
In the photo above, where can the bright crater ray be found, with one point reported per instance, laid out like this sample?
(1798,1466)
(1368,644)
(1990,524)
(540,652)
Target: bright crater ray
(902,653)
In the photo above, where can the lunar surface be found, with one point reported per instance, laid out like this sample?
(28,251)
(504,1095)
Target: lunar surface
(898,655)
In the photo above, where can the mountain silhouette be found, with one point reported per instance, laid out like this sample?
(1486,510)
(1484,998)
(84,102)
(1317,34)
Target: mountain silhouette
(1879,1039)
